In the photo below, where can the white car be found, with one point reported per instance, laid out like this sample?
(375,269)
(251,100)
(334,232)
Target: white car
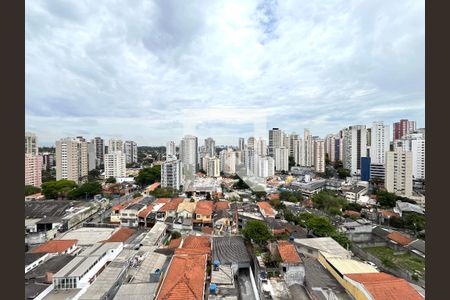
(372,264)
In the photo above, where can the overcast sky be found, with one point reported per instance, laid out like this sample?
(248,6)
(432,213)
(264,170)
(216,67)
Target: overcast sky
(151,71)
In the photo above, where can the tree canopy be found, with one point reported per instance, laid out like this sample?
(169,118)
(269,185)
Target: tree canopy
(86,190)
(111,180)
(30,190)
(55,189)
(163,192)
(148,176)
(328,201)
(343,173)
(291,196)
(257,231)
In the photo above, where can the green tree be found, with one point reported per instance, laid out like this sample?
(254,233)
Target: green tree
(111,180)
(342,239)
(257,231)
(415,221)
(86,190)
(328,200)
(386,199)
(343,173)
(30,190)
(241,185)
(163,193)
(175,235)
(353,206)
(289,216)
(148,176)
(321,226)
(136,195)
(93,175)
(56,189)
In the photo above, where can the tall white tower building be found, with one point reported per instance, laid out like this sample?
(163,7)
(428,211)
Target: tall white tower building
(115,164)
(379,142)
(398,176)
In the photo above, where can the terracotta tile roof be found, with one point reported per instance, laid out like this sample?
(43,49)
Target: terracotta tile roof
(152,187)
(266,207)
(352,213)
(389,214)
(54,246)
(172,204)
(204,207)
(120,235)
(383,286)
(144,213)
(120,206)
(175,243)
(187,206)
(278,231)
(195,245)
(221,205)
(162,200)
(185,278)
(288,252)
(399,238)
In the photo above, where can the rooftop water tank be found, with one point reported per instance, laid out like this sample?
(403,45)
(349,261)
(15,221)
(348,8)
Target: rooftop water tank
(213,288)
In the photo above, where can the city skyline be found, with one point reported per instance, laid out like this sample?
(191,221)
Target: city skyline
(297,65)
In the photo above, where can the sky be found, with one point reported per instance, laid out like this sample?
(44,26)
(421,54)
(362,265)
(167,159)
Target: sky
(152,71)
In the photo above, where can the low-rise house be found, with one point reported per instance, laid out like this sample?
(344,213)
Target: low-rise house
(291,264)
(203,212)
(186,209)
(266,209)
(312,247)
(417,247)
(151,188)
(222,221)
(169,210)
(231,251)
(194,245)
(380,286)
(405,208)
(145,217)
(121,235)
(57,247)
(129,216)
(355,193)
(185,278)
(221,205)
(357,231)
(398,241)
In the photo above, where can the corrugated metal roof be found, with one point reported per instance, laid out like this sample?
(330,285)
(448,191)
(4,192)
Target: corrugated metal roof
(350,266)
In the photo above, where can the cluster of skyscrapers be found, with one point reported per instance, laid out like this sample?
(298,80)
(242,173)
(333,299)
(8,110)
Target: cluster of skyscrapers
(75,157)
(365,152)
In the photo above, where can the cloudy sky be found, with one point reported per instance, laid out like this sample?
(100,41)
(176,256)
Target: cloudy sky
(152,71)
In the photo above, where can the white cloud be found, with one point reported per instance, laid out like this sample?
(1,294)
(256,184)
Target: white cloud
(131,68)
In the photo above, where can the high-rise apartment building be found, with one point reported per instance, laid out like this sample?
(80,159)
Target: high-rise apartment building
(319,155)
(33,170)
(292,138)
(130,149)
(31,143)
(281,157)
(48,160)
(379,142)
(355,147)
(307,159)
(398,173)
(171,151)
(403,127)
(213,169)
(415,143)
(99,145)
(333,147)
(171,174)
(261,147)
(210,146)
(115,145)
(33,161)
(276,140)
(189,154)
(297,148)
(241,144)
(91,156)
(251,143)
(228,161)
(115,164)
(71,159)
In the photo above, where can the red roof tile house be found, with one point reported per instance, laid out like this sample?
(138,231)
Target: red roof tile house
(398,241)
(144,219)
(266,209)
(169,209)
(185,278)
(195,245)
(120,235)
(203,212)
(291,264)
(381,286)
(221,205)
(57,247)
